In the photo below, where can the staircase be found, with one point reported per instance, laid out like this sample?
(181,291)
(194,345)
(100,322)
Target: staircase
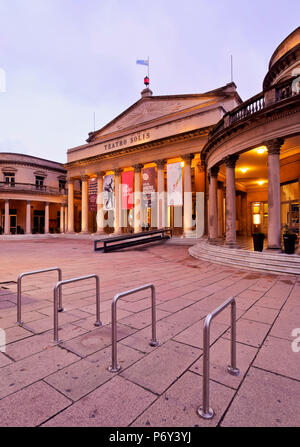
(264,261)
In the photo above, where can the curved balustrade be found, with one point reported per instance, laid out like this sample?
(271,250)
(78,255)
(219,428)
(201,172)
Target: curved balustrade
(12,186)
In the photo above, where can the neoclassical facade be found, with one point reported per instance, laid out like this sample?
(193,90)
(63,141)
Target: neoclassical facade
(151,135)
(33,195)
(253,157)
(237,163)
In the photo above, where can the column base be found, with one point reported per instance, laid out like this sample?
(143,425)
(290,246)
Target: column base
(84,232)
(274,248)
(231,244)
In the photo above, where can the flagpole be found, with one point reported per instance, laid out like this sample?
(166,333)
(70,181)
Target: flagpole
(148,68)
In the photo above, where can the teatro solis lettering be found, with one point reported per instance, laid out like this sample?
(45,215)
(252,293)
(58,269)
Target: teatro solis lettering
(140,137)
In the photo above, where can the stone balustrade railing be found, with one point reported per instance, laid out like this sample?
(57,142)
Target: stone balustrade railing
(28,187)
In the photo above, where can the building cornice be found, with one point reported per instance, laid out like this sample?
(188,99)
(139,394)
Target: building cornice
(32,165)
(141,147)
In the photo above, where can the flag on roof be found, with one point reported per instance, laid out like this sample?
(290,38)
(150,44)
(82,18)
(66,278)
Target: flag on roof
(142,62)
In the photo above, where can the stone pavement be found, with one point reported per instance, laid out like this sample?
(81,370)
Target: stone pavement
(69,385)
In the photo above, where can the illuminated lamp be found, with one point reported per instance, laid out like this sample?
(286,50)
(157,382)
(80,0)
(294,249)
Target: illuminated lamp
(260,182)
(256,219)
(182,164)
(244,170)
(261,150)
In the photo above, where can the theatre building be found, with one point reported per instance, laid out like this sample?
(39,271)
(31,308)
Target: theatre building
(33,195)
(220,167)
(153,146)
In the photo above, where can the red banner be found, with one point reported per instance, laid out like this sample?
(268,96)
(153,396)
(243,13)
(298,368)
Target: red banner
(127,190)
(149,184)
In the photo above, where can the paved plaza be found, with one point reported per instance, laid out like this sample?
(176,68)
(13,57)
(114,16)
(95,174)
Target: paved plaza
(45,384)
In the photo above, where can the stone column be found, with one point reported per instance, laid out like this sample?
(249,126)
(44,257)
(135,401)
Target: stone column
(84,204)
(6,217)
(71,205)
(100,216)
(230,162)
(62,218)
(46,217)
(274,204)
(220,211)
(118,198)
(160,193)
(188,197)
(66,219)
(28,217)
(244,214)
(213,204)
(239,211)
(137,198)
(201,199)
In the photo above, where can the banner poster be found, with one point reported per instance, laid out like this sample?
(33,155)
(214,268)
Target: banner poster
(174,182)
(149,185)
(108,192)
(92,194)
(127,190)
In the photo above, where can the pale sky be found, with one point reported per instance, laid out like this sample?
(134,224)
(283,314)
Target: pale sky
(66,59)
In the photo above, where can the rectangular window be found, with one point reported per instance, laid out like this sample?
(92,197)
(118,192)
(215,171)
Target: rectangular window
(9,177)
(62,184)
(39,182)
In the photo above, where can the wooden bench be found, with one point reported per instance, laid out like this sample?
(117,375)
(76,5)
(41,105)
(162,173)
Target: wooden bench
(130,240)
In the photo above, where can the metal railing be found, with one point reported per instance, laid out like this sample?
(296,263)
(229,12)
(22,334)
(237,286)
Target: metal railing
(58,306)
(19,292)
(153,342)
(16,186)
(205,411)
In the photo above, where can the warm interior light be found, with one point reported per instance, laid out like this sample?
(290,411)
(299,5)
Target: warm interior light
(256,219)
(261,150)
(260,182)
(244,170)
(182,164)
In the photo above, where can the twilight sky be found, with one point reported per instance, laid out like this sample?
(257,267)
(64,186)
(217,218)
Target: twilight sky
(66,59)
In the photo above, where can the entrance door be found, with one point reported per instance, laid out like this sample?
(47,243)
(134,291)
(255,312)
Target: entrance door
(39,222)
(13,224)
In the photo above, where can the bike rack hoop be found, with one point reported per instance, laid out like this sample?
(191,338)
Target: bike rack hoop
(19,291)
(57,292)
(153,342)
(205,411)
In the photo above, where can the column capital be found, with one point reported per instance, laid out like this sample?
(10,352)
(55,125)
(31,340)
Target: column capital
(47,203)
(70,180)
(100,174)
(201,166)
(160,163)
(84,178)
(117,171)
(274,146)
(231,160)
(187,157)
(138,167)
(214,171)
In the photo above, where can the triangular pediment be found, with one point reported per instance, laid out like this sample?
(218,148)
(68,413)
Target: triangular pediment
(148,109)
(152,109)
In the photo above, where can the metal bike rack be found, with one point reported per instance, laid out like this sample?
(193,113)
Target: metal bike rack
(19,292)
(57,292)
(205,411)
(153,342)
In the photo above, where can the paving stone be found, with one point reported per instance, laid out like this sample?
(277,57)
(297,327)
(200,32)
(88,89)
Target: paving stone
(115,404)
(275,348)
(159,369)
(177,407)
(80,378)
(27,371)
(220,358)
(27,408)
(261,314)
(96,339)
(194,334)
(143,319)
(250,332)
(265,401)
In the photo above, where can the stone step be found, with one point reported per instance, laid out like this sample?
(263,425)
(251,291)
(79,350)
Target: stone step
(273,263)
(266,255)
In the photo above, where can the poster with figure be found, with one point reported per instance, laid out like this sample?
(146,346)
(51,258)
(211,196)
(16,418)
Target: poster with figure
(108,192)
(92,194)
(149,185)
(127,190)
(174,183)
